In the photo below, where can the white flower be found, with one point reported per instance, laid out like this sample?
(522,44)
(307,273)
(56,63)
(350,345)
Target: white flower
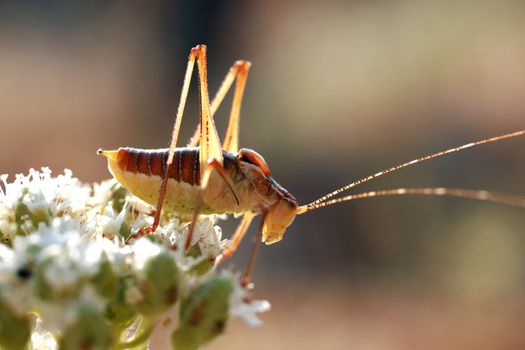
(43,196)
(206,235)
(102,193)
(210,237)
(111,222)
(41,339)
(13,288)
(241,304)
(144,250)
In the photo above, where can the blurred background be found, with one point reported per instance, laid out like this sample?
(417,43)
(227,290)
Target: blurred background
(338,90)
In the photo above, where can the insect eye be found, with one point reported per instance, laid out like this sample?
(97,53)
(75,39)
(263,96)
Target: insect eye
(252,157)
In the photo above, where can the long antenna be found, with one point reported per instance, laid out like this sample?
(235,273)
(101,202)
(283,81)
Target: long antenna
(415,161)
(496,197)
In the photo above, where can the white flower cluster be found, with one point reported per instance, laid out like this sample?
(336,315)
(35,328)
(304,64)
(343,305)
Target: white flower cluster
(65,269)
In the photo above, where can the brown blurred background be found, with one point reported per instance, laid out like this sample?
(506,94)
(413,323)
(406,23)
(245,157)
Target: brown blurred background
(337,91)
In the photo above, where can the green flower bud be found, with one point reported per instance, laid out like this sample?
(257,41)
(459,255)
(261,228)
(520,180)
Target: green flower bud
(14,330)
(202,267)
(204,314)
(118,312)
(48,290)
(160,284)
(4,239)
(125,230)
(42,287)
(118,197)
(105,280)
(89,331)
(22,214)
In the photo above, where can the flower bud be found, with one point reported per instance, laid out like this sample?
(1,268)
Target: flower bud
(204,266)
(23,215)
(89,331)
(160,284)
(118,312)
(105,280)
(14,329)
(118,197)
(204,314)
(70,286)
(124,230)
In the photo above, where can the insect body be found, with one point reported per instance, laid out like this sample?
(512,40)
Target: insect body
(140,171)
(215,178)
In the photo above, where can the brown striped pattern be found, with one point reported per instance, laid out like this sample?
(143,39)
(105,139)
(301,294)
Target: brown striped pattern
(185,166)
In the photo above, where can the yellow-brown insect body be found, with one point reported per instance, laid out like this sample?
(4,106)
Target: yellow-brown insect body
(140,171)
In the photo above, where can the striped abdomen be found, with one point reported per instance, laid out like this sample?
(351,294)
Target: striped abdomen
(185,166)
(140,171)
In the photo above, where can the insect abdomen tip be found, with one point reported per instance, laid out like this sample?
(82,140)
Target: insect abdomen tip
(113,155)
